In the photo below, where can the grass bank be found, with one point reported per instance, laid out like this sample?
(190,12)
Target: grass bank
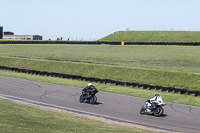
(184,80)
(176,58)
(22,119)
(175,66)
(153,36)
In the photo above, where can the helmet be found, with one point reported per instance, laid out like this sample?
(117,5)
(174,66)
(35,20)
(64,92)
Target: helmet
(89,84)
(156,95)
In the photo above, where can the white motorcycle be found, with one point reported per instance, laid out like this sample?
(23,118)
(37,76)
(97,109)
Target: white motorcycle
(153,106)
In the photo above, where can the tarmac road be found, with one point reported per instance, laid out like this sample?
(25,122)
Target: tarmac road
(181,118)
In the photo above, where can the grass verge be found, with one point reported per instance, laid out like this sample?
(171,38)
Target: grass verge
(22,119)
(130,91)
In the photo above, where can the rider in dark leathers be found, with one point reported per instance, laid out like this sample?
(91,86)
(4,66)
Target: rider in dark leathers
(90,89)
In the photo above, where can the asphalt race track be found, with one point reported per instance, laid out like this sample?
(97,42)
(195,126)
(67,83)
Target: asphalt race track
(180,118)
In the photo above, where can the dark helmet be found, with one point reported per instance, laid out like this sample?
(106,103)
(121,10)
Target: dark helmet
(156,95)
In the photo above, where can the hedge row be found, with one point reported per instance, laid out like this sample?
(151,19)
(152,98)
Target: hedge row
(101,42)
(105,81)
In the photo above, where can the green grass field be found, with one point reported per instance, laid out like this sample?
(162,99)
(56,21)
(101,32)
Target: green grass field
(177,58)
(175,66)
(153,36)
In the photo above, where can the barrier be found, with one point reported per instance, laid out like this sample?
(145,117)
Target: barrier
(164,88)
(102,42)
(146,86)
(51,42)
(151,87)
(158,87)
(197,93)
(134,84)
(106,81)
(128,84)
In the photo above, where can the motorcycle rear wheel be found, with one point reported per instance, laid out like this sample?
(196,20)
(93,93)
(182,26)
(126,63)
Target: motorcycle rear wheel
(93,100)
(159,111)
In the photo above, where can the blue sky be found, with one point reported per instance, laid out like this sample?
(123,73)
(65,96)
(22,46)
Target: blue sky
(90,19)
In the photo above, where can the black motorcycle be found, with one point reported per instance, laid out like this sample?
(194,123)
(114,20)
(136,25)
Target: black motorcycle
(88,98)
(156,109)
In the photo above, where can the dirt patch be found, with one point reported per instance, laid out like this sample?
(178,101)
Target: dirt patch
(22,103)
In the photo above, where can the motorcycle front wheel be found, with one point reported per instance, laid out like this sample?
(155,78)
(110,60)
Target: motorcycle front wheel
(81,99)
(159,111)
(142,110)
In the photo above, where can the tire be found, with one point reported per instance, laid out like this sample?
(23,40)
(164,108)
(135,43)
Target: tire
(93,100)
(81,99)
(158,111)
(142,110)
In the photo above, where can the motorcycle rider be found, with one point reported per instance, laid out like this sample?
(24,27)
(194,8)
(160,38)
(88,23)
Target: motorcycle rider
(150,102)
(90,89)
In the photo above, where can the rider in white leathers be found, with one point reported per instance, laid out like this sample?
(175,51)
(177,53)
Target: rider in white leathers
(150,102)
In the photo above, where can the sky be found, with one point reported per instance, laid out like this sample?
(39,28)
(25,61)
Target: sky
(93,19)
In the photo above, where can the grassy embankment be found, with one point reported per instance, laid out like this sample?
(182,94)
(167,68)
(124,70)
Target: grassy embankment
(157,77)
(28,119)
(158,65)
(153,36)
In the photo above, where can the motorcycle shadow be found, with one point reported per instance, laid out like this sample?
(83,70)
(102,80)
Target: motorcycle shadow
(163,115)
(97,103)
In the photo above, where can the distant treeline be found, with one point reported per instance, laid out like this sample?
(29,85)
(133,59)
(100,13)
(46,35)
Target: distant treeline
(101,42)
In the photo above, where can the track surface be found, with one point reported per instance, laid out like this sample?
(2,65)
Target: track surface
(176,117)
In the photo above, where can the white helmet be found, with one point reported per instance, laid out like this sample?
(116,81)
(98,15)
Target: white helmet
(89,84)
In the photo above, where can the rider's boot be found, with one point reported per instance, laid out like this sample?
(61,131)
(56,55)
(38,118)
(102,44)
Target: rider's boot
(147,110)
